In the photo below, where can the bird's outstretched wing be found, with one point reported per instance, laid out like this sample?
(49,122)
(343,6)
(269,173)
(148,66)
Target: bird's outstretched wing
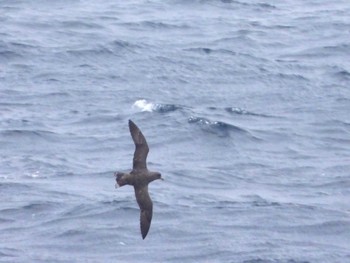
(141,147)
(146,209)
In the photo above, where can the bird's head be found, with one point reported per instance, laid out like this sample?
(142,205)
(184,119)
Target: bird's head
(155,176)
(121,179)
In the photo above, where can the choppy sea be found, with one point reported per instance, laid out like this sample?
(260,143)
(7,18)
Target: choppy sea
(245,106)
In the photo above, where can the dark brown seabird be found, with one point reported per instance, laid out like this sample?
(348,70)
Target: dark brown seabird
(140,177)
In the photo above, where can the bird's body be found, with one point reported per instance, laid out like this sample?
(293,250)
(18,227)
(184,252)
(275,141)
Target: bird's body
(140,177)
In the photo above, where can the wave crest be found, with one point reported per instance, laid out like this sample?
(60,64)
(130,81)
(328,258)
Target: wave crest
(221,128)
(143,105)
(240,111)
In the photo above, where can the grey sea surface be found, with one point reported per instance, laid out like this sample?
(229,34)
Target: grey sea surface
(245,106)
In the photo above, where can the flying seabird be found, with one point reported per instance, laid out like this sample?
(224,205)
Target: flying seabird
(140,177)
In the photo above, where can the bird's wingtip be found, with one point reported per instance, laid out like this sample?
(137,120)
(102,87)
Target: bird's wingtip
(131,123)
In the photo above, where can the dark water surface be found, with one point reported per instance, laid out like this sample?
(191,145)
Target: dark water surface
(245,106)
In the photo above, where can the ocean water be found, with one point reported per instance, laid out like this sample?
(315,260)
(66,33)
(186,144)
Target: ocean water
(245,106)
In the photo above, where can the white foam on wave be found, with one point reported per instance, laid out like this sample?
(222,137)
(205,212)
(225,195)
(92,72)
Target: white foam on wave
(36,174)
(143,105)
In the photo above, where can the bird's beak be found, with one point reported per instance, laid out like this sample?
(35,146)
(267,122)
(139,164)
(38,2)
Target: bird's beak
(162,179)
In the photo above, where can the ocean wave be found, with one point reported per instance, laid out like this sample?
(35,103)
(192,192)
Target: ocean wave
(70,233)
(256,5)
(321,52)
(14,186)
(218,127)
(143,105)
(261,260)
(155,25)
(76,24)
(208,51)
(100,50)
(17,134)
(9,55)
(98,118)
(8,252)
(259,201)
(230,4)
(340,72)
(120,44)
(31,208)
(240,111)
(5,220)
(16,51)
(335,227)
(344,74)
